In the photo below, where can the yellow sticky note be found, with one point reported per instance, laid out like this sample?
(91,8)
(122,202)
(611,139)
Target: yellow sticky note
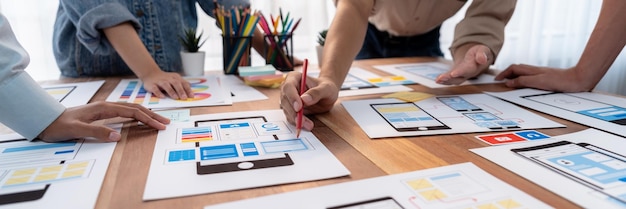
(409,96)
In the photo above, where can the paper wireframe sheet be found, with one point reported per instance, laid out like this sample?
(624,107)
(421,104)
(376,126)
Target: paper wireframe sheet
(68,94)
(426,73)
(454,186)
(240,92)
(449,114)
(235,150)
(600,111)
(356,83)
(208,91)
(566,187)
(43,175)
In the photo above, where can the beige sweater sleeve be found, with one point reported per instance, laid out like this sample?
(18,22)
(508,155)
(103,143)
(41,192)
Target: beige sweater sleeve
(484,23)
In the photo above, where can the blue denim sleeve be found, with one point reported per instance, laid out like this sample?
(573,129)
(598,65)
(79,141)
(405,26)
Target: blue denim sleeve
(24,106)
(209,6)
(90,17)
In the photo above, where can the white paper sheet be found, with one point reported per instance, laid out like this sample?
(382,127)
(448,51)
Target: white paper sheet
(485,114)
(218,154)
(68,94)
(240,91)
(600,111)
(426,73)
(551,180)
(73,171)
(208,91)
(454,186)
(356,83)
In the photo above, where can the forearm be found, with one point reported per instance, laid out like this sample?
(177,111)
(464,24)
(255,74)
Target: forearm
(344,39)
(484,24)
(126,42)
(604,45)
(27,99)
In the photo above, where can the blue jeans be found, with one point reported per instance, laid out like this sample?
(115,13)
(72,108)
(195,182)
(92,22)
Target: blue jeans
(380,44)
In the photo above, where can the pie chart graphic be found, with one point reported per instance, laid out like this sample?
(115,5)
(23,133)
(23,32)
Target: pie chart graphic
(197,97)
(193,81)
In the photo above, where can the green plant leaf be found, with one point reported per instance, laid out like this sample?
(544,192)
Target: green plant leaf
(190,41)
(321,37)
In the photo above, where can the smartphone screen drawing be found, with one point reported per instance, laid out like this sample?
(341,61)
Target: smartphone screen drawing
(408,117)
(491,121)
(583,106)
(597,168)
(459,104)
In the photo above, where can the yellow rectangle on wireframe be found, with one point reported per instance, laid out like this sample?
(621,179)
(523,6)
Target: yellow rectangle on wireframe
(46,177)
(420,184)
(55,168)
(487,206)
(397,109)
(78,165)
(509,203)
(433,194)
(23,172)
(409,96)
(17,180)
(73,173)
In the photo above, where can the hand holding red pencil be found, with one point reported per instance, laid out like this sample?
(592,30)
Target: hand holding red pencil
(302,90)
(320,95)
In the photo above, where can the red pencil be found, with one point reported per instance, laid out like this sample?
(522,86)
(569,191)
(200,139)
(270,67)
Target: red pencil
(302,90)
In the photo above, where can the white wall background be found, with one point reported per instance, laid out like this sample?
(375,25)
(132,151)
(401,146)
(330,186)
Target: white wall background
(546,33)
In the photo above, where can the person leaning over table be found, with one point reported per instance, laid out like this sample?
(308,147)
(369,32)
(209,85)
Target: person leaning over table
(122,37)
(398,29)
(30,111)
(604,45)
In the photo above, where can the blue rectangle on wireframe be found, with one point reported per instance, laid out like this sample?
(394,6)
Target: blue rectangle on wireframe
(283,145)
(197,130)
(218,152)
(506,123)
(182,155)
(393,120)
(531,135)
(39,147)
(234,125)
(452,175)
(410,119)
(249,149)
(606,113)
(64,152)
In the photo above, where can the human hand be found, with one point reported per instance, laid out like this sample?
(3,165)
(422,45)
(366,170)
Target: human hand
(171,83)
(551,79)
(76,122)
(475,61)
(320,97)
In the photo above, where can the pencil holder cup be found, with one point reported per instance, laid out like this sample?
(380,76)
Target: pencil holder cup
(236,52)
(279,51)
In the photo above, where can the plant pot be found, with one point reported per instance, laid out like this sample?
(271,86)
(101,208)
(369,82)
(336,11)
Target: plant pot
(320,52)
(193,63)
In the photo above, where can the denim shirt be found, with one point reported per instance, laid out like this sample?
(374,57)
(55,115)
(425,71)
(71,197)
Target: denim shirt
(81,48)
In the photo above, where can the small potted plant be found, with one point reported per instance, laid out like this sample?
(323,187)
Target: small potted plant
(321,39)
(192,59)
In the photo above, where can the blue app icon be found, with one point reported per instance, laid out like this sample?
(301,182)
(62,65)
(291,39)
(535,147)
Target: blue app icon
(531,135)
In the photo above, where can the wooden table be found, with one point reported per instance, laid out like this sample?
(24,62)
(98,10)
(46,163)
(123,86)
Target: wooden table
(364,157)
